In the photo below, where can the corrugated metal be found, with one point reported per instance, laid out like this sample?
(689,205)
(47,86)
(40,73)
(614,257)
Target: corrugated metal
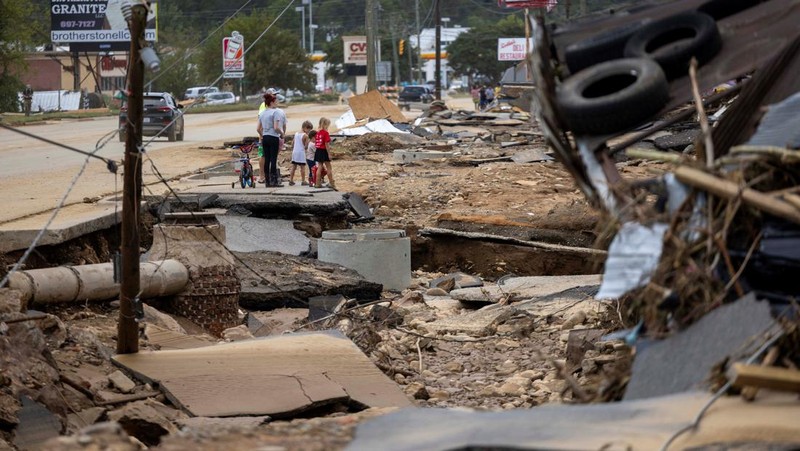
(44,101)
(780,127)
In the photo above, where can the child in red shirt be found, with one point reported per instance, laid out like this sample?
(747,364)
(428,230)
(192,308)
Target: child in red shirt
(321,156)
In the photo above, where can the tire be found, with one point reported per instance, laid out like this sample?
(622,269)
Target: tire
(180,135)
(673,41)
(720,9)
(613,96)
(171,135)
(609,45)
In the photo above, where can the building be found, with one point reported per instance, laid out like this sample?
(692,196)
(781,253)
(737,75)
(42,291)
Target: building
(427,38)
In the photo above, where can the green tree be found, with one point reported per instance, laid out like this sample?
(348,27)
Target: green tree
(474,52)
(15,39)
(276,60)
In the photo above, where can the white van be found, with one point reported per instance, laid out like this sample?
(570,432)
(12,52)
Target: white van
(193,93)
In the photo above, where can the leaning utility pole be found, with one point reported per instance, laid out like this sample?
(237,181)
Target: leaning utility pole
(371,78)
(127,328)
(438,75)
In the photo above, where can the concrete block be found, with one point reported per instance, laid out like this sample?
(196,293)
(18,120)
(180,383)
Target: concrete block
(405,155)
(380,255)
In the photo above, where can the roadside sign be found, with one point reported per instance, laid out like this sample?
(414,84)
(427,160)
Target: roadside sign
(355,50)
(94,25)
(233,75)
(233,53)
(512,49)
(383,70)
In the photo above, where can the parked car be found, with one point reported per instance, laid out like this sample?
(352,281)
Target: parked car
(416,93)
(160,110)
(219,98)
(193,93)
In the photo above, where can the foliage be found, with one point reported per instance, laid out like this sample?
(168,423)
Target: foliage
(14,41)
(276,60)
(474,53)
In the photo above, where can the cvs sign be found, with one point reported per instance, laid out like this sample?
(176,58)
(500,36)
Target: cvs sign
(355,50)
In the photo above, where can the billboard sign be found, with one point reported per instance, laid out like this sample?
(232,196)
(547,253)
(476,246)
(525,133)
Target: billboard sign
(512,49)
(355,50)
(233,55)
(95,25)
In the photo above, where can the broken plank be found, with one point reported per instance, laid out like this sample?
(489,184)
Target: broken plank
(770,377)
(126,398)
(730,190)
(655,155)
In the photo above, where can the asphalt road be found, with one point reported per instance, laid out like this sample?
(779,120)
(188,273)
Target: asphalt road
(35,175)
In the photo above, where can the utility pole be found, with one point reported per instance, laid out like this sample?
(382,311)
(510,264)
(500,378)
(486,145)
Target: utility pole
(127,328)
(438,76)
(371,78)
(395,55)
(311,26)
(302,11)
(419,48)
(76,72)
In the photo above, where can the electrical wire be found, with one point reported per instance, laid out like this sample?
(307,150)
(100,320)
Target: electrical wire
(191,50)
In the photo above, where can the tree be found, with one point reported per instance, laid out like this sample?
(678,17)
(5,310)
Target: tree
(276,60)
(474,52)
(15,38)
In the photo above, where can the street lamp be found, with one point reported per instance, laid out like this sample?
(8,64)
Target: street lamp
(312,27)
(302,10)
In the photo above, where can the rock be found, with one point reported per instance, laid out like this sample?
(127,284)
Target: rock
(436,292)
(574,320)
(508,367)
(428,374)
(511,389)
(523,382)
(385,315)
(54,330)
(439,395)
(143,421)
(399,378)
(8,411)
(506,344)
(454,366)
(238,333)
(121,382)
(542,387)
(489,391)
(85,417)
(446,285)
(10,301)
(161,319)
(531,375)
(416,390)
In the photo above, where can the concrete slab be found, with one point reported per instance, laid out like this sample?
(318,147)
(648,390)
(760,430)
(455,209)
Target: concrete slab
(519,288)
(71,222)
(275,376)
(244,234)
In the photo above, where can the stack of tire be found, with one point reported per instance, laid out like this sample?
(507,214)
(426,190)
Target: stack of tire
(621,77)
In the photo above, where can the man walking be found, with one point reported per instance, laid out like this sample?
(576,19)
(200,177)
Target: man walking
(27,99)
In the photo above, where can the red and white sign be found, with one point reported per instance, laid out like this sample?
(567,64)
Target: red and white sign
(549,4)
(233,53)
(512,49)
(355,50)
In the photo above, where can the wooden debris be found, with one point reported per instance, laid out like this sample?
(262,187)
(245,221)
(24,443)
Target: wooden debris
(770,377)
(730,190)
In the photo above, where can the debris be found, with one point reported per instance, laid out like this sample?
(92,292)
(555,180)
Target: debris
(530,156)
(359,207)
(279,382)
(165,339)
(275,322)
(684,361)
(244,234)
(142,420)
(522,288)
(436,292)
(632,257)
(373,105)
(121,382)
(288,281)
(580,341)
(36,425)
(769,377)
